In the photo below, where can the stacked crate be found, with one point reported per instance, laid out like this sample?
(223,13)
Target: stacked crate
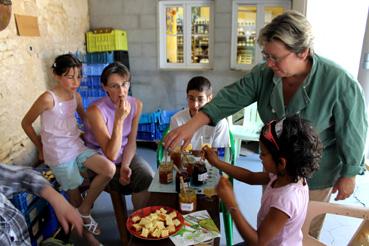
(104,46)
(152,125)
(37,213)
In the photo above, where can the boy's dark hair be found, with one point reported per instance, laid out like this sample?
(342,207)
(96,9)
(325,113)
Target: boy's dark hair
(296,141)
(199,83)
(64,63)
(115,67)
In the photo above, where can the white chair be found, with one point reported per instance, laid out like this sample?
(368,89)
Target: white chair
(317,208)
(250,128)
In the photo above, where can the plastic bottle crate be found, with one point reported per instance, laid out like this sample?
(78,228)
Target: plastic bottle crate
(34,210)
(49,223)
(90,82)
(164,116)
(93,69)
(122,56)
(146,127)
(36,240)
(147,118)
(146,136)
(107,41)
(99,57)
(23,200)
(162,127)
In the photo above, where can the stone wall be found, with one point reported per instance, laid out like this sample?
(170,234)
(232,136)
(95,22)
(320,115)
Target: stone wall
(25,63)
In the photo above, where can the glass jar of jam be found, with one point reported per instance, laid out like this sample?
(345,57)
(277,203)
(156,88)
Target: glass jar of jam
(187,200)
(166,173)
(199,174)
(176,158)
(188,164)
(186,180)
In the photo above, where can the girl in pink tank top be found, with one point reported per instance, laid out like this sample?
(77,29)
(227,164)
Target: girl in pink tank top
(290,151)
(59,143)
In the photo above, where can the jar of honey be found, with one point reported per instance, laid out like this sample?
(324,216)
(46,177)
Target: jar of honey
(187,200)
(186,180)
(199,174)
(166,173)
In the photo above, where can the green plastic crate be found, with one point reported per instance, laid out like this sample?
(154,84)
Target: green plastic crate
(109,41)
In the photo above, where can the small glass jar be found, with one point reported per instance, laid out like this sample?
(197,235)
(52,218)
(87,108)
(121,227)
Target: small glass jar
(187,200)
(199,174)
(176,158)
(166,173)
(188,164)
(186,180)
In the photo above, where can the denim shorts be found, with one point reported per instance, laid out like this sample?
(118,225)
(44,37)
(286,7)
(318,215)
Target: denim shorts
(68,173)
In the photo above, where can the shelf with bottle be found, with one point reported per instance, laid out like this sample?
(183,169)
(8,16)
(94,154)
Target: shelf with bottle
(200,26)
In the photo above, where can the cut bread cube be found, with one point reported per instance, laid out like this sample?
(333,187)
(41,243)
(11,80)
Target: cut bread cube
(169,221)
(164,233)
(137,227)
(176,222)
(156,233)
(172,215)
(171,228)
(136,218)
(159,225)
(144,232)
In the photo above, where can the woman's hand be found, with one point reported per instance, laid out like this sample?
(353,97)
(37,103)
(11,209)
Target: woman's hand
(345,187)
(125,175)
(123,108)
(225,192)
(210,155)
(182,135)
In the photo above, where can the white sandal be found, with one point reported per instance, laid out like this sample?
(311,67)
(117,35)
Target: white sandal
(92,225)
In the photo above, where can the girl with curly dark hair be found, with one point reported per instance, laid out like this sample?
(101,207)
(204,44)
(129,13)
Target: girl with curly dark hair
(290,151)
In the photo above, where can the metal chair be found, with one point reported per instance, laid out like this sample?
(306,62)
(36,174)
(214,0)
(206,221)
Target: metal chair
(250,128)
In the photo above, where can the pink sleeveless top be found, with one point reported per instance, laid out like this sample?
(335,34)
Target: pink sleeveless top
(60,135)
(107,109)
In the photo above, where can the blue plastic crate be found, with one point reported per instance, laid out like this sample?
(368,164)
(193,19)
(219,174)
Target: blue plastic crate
(147,118)
(34,210)
(94,69)
(164,116)
(36,240)
(100,57)
(50,222)
(146,127)
(23,200)
(162,127)
(146,136)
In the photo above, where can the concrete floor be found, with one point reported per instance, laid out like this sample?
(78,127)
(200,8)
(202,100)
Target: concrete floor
(337,230)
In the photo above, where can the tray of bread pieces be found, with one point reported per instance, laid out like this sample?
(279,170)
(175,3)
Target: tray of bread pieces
(155,222)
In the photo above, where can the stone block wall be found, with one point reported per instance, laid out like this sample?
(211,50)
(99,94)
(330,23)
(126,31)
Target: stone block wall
(159,88)
(25,66)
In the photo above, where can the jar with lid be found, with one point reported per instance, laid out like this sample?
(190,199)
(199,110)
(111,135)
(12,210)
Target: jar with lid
(199,174)
(166,173)
(187,200)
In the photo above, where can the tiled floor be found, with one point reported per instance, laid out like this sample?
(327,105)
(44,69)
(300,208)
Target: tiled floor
(337,230)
